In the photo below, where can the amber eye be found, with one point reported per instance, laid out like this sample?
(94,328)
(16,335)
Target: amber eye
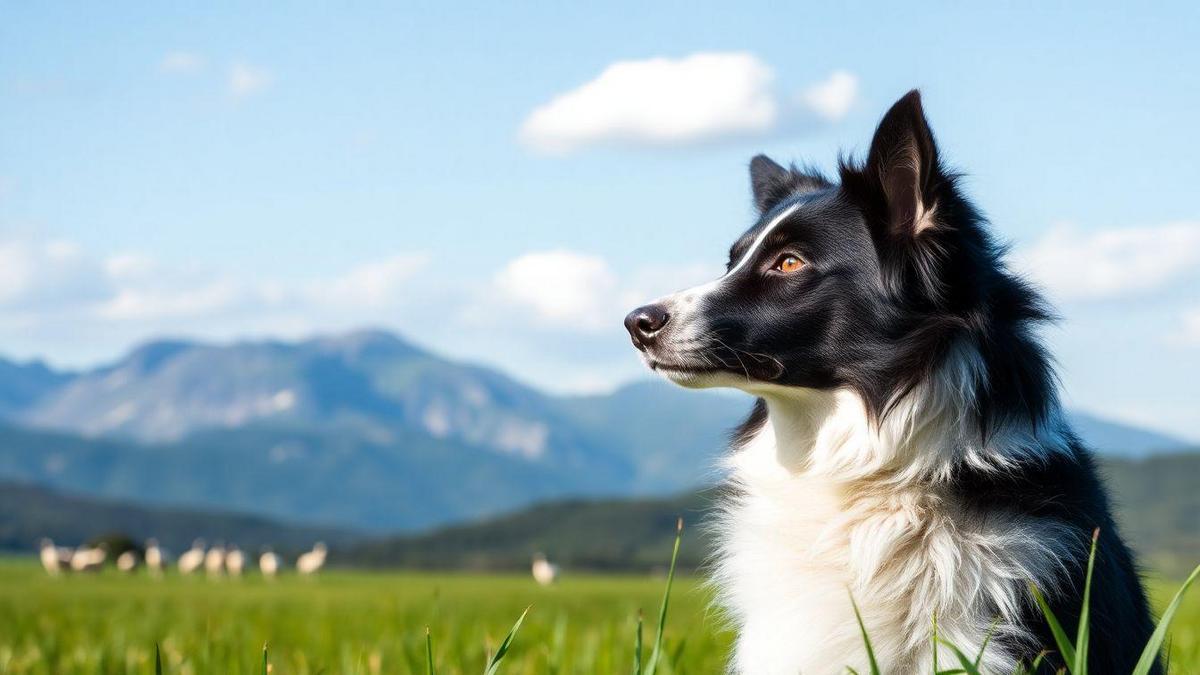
(788,263)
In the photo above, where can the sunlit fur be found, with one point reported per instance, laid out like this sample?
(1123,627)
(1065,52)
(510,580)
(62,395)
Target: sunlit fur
(907,447)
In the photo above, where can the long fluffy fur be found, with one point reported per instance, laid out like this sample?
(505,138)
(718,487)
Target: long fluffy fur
(827,504)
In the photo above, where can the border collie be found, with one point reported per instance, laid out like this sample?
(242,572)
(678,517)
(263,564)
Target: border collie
(906,448)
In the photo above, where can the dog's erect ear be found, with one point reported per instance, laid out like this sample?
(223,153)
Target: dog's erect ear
(772,183)
(903,165)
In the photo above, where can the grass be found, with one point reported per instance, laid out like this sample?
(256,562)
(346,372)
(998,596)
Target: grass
(353,622)
(343,622)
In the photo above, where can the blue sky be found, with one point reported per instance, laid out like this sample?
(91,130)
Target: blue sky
(485,179)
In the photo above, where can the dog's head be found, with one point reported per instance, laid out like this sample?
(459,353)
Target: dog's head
(863,283)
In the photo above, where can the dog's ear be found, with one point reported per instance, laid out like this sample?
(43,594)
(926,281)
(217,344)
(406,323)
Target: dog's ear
(771,183)
(903,168)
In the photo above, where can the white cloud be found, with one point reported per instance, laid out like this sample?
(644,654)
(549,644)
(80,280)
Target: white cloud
(181,62)
(663,101)
(44,275)
(1074,264)
(374,283)
(560,287)
(833,97)
(245,79)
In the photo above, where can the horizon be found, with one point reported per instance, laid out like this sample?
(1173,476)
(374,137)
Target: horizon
(270,174)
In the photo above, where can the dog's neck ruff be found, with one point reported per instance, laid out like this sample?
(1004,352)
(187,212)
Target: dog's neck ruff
(828,503)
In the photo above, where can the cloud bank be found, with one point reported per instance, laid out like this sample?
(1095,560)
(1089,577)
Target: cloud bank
(675,102)
(1074,264)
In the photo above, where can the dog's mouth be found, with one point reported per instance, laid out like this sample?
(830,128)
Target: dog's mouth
(667,367)
(695,366)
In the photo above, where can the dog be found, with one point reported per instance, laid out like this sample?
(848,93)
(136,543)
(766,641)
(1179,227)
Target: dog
(907,451)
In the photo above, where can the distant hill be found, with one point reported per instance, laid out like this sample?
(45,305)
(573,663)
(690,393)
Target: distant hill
(1158,501)
(1157,506)
(366,430)
(612,535)
(28,513)
(1115,439)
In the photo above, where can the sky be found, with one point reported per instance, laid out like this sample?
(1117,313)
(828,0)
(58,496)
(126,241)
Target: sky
(502,182)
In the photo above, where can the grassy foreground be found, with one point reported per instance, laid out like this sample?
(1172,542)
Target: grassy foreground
(342,622)
(352,622)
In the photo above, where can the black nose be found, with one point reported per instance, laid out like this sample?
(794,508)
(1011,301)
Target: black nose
(644,323)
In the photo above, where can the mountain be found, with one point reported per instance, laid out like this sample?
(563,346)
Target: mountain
(405,480)
(28,513)
(369,380)
(673,435)
(1121,440)
(1155,499)
(361,429)
(23,384)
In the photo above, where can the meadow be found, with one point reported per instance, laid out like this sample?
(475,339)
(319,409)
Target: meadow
(373,622)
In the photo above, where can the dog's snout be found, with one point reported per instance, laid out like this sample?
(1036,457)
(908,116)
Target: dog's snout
(644,323)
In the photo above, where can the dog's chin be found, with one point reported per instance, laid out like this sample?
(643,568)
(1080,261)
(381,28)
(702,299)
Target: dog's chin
(688,375)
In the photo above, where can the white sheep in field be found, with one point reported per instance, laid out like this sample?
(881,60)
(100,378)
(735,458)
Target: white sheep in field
(214,561)
(235,561)
(55,559)
(127,562)
(88,558)
(269,563)
(544,572)
(156,557)
(312,561)
(193,558)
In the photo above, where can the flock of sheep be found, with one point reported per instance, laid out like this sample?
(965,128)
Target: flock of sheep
(215,562)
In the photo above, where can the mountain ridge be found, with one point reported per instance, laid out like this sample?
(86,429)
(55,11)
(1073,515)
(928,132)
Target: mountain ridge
(364,429)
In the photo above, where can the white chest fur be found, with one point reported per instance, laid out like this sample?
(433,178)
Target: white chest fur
(805,532)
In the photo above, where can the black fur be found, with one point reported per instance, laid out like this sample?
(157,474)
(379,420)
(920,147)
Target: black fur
(899,270)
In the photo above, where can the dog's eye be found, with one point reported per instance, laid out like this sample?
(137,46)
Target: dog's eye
(788,263)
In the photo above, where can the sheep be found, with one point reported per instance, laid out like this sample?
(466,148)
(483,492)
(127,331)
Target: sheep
(193,558)
(55,559)
(312,562)
(88,559)
(156,557)
(214,560)
(127,562)
(544,572)
(269,562)
(235,561)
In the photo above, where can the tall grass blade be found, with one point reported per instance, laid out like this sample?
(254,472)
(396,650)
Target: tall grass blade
(1060,636)
(494,666)
(866,638)
(637,647)
(265,665)
(935,645)
(1150,653)
(157,660)
(968,666)
(656,652)
(1084,633)
(429,653)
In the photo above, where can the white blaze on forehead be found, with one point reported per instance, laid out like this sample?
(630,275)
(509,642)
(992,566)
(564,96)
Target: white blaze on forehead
(703,289)
(762,236)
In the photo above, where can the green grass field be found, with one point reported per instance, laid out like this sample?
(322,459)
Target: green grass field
(352,622)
